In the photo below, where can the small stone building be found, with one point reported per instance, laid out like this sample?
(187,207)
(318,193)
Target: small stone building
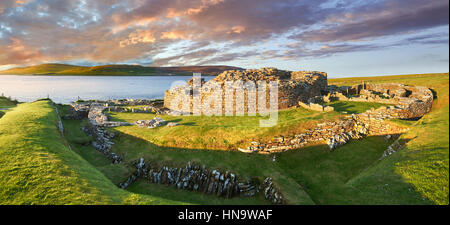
(292,88)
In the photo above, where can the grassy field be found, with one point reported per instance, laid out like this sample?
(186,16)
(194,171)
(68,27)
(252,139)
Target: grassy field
(37,167)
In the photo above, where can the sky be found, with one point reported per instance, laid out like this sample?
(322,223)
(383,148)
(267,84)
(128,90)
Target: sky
(341,37)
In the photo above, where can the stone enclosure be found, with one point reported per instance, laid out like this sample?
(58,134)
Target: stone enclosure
(407,102)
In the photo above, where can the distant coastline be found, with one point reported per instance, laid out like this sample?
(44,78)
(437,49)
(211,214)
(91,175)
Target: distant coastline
(115,70)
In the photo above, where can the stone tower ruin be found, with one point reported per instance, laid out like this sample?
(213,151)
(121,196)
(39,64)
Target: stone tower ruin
(292,88)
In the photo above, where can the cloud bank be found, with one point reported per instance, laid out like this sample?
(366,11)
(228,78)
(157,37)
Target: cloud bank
(201,32)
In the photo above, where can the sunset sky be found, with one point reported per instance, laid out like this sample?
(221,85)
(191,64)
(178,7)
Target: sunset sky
(341,37)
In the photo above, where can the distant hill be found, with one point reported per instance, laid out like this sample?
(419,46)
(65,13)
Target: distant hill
(116,70)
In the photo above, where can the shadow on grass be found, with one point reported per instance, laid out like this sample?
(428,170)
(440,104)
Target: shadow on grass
(342,106)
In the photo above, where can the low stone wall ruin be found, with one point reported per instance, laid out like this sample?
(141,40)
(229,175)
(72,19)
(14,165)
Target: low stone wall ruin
(332,133)
(193,178)
(410,102)
(202,179)
(97,122)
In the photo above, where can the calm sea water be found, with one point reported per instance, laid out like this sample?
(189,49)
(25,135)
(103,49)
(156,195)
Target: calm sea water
(66,89)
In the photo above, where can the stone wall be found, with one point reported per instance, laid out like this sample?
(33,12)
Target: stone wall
(409,102)
(97,122)
(292,88)
(194,178)
(333,133)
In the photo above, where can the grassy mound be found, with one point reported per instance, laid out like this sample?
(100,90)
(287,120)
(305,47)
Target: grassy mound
(36,166)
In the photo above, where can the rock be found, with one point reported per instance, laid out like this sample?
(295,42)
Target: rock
(155,122)
(172,124)
(328,109)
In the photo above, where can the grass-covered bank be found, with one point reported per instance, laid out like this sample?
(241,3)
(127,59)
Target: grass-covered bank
(36,167)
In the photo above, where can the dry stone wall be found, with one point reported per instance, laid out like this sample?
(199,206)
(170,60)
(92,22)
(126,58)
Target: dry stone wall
(271,192)
(194,178)
(408,102)
(97,122)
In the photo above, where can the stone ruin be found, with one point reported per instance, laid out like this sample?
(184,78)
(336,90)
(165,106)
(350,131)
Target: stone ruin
(202,179)
(292,88)
(96,127)
(407,102)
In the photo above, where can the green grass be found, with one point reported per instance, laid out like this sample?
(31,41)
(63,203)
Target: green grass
(36,167)
(354,107)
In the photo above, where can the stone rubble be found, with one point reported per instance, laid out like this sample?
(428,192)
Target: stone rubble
(155,122)
(96,127)
(78,111)
(98,121)
(316,107)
